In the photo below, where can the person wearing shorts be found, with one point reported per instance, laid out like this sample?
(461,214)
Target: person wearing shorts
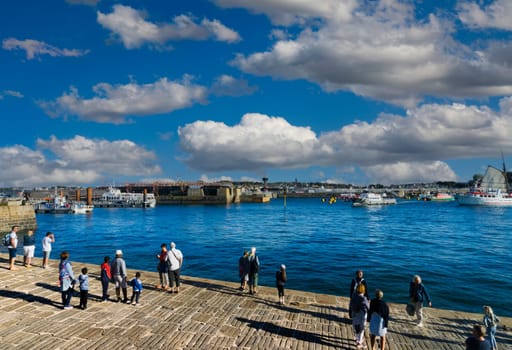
(118,270)
(13,246)
(29,245)
(47,247)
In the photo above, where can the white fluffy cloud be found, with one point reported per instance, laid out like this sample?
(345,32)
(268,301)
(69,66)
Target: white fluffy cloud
(115,103)
(496,14)
(134,30)
(259,141)
(287,12)
(74,161)
(411,148)
(375,49)
(35,48)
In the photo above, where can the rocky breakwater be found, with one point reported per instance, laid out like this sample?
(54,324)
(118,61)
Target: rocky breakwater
(14,211)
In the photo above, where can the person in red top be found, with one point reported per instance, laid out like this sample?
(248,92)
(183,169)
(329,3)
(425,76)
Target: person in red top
(163,267)
(106,277)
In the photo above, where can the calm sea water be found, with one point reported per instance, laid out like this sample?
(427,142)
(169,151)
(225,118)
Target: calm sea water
(462,253)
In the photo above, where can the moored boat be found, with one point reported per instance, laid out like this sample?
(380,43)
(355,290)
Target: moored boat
(81,208)
(492,190)
(57,204)
(369,199)
(115,198)
(442,197)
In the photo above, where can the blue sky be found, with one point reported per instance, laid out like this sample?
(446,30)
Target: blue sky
(95,91)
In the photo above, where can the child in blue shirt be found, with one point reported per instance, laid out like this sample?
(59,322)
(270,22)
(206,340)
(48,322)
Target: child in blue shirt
(137,288)
(83,279)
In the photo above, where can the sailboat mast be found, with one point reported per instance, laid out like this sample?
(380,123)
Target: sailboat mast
(505,173)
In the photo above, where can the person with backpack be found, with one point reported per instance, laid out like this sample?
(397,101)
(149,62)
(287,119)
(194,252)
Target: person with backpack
(13,246)
(490,322)
(254,269)
(418,295)
(356,281)
(66,280)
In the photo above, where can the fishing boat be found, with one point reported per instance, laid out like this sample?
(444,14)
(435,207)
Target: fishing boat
(115,198)
(57,204)
(492,190)
(369,199)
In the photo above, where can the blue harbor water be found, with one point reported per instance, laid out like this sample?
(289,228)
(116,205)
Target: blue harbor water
(462,253)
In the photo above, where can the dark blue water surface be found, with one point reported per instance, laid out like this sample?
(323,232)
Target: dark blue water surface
(462,253)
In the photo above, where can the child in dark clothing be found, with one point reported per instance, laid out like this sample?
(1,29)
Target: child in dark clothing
(280,282)
(83,279)
(137,288)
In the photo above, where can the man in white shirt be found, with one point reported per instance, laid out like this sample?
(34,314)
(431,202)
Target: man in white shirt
(13,245)
(175,261)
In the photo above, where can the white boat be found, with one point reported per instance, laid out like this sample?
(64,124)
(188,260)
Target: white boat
(81,208)
(492,190)
(369,198)
(57,204)
(115,197)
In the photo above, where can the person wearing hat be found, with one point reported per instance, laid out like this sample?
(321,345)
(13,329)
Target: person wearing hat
(280,282)
(118,270)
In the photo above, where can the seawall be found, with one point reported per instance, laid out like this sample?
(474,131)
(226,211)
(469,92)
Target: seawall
(205,314)
(13,212)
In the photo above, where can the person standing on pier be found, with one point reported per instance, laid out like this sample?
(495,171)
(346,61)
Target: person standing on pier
(254,269)
(136,288)
(175,262)
(491,321)
(360,306)
(66,280)
(83,279)
(163,267)
(477,341)
(378,316)
(418,295)
(280,282)
(47,247)
(118,269)
(356,281)
(13,246)
(243,270)
(29,245)
(106,276)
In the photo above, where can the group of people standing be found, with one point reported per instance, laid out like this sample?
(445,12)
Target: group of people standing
(376,312)
(114,271)
(111,272)
(362,310)
(169,265)
(248,270)
(29,245)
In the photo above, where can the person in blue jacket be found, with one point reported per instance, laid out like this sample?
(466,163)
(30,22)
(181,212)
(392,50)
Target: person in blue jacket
(137,288)
(418,295)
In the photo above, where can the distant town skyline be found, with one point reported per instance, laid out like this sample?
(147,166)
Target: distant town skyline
(95,92)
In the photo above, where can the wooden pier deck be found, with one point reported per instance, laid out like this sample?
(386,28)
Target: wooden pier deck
(206,314)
